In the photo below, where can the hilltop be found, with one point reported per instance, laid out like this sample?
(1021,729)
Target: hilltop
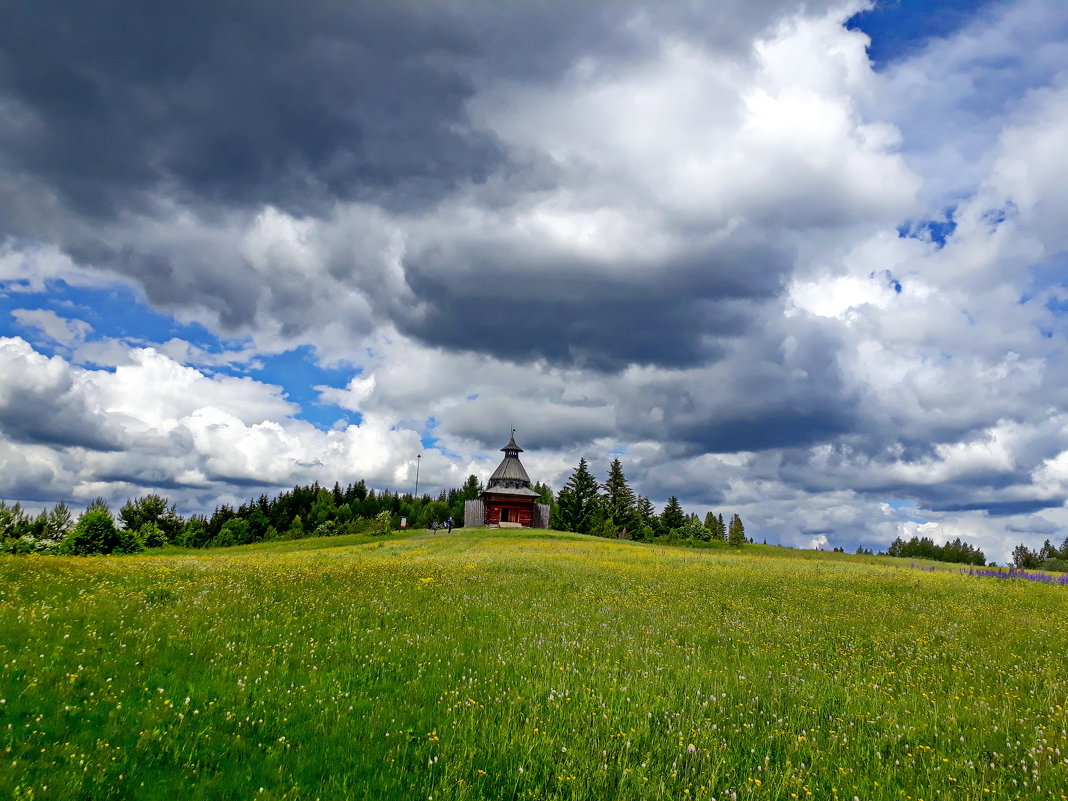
(520,664)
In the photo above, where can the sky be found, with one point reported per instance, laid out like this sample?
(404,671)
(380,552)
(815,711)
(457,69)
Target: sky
(805,262)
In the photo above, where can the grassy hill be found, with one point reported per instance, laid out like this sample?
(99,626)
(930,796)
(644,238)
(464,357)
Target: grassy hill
(492,664)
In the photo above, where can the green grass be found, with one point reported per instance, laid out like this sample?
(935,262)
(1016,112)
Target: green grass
(492,664)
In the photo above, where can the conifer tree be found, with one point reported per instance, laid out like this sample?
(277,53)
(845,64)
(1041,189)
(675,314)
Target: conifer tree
(644,517)
(13,521)
(578,501)
(58,522)
(736,532)
(1024,558)
(645,510)
(619,497)
(472,488)
(672,517)
(545,492)
(152,508)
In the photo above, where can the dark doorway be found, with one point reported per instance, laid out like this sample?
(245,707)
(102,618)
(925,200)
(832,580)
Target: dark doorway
(504,515)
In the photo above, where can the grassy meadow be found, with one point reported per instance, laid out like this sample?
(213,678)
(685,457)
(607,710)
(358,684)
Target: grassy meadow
(518,665)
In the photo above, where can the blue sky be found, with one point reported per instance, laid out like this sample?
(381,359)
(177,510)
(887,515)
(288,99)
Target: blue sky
(804,262)
(900,28)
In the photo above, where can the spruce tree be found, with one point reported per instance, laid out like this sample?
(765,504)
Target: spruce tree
(472,488)
(646,511)
(736,532)
(619,498)
(712,524)
(644,519)
(672,517)
(578,501)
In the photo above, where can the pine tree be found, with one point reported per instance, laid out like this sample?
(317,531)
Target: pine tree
(644,519)
(619,498)
(715,526)
(152,508)
(472,488)
(545,493)
(578,501)
(1024,558)
(672,517)
(736,532)
(13,521)
(58,523)
(645,510)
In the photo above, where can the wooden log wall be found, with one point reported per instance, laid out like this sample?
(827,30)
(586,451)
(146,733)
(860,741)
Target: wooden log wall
(474,513)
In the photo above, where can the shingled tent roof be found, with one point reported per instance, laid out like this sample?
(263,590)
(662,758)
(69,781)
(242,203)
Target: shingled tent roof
(510,473)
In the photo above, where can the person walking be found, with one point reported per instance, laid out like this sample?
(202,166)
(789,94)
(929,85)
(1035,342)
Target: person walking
(434,527)
(448,526)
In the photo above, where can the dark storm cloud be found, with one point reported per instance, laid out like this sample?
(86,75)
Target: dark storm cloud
(119,113)
(218,109)
(41,404)
(565,428)
(530,305)
(29,480)
(172,277)
(778,387)
(29,419)
(1033,525)
(296,105)
(1000,508)
(238,103)
(998,491)
(779,426)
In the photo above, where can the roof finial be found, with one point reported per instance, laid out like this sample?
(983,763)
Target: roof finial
(512,447)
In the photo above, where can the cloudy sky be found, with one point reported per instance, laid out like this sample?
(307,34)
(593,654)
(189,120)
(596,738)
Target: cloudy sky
(802,261)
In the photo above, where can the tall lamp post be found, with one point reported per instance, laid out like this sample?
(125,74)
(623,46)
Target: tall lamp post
(417,460)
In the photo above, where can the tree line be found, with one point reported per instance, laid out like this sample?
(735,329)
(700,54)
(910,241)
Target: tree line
(583,505)
(956,551)
(614,510)
(153,521)
(1048,557)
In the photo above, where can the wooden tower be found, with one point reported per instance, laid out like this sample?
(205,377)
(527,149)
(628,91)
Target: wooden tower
(508,499)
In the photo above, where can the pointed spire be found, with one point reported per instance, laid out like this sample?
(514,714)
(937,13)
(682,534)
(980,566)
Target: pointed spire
(511,446)
(510,472)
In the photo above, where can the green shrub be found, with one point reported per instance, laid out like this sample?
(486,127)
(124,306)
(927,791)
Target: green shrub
(384,523)
(152,536)
(96,533)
